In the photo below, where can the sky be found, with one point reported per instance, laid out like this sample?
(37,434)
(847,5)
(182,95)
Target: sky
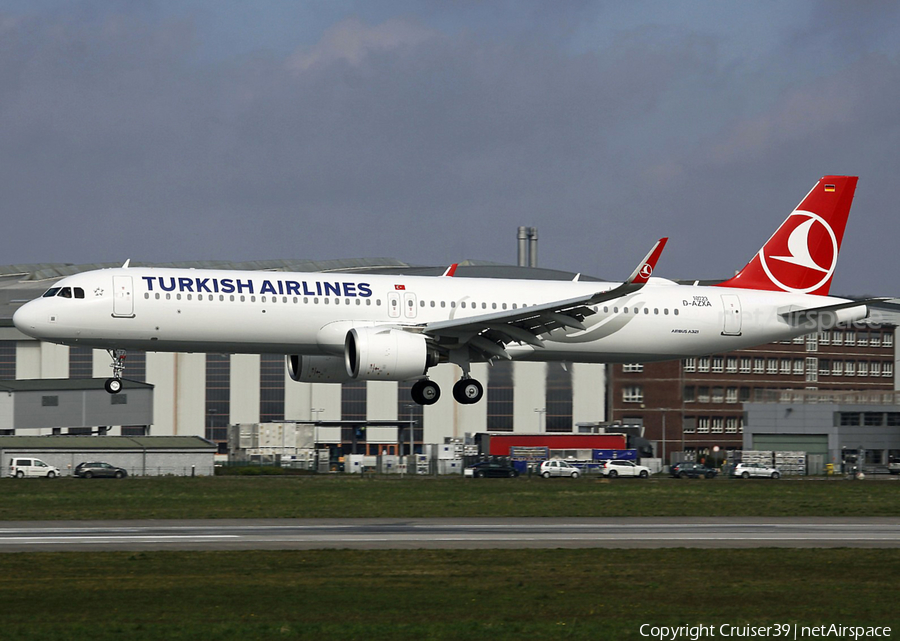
(430,131)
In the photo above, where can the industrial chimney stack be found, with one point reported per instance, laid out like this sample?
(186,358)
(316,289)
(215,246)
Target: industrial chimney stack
(528,246)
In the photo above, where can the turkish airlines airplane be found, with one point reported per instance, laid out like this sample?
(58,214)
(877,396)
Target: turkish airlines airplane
(339,327)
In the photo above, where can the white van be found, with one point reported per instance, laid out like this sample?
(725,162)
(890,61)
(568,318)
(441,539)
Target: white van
(21,468)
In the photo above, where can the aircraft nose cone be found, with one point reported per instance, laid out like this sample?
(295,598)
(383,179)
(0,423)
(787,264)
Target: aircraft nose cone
(26,318)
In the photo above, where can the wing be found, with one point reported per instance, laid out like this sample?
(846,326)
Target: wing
(489,334)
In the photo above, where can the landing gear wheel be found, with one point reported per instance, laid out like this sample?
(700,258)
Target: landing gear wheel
(425,392)
(113,385)
(468,391)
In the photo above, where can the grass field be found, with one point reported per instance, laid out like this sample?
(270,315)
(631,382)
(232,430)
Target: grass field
(427,594)
(437,594)
(393,497)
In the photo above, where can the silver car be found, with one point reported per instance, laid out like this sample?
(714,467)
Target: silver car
(558,468)
(747,470)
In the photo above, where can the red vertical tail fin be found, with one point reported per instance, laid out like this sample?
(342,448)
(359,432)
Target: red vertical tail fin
(801,255)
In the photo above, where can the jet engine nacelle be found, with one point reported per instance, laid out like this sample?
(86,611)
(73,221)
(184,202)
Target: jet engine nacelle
(383,353)
(317,369)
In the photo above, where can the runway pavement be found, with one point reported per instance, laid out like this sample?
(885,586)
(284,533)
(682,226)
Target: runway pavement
(303,534)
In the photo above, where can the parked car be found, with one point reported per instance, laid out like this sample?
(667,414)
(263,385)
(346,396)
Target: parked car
(615,468)
(21,468)
(894,467)
(491,469)
(99,470)
(686,469)
(558,468)
(747,470)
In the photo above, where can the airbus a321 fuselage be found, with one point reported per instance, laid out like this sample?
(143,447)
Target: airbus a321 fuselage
(338,327)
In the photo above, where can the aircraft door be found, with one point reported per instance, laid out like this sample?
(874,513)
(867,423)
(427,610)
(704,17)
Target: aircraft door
(731,305)
(394,304)
(123,297)
(409,304)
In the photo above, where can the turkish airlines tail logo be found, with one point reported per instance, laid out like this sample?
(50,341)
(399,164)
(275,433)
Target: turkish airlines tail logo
(801,255)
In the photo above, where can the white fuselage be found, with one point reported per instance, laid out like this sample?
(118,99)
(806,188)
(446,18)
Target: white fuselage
(158,309)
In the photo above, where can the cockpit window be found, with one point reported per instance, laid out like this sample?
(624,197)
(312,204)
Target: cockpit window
(64,292)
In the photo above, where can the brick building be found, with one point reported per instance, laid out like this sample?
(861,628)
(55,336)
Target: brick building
(696,404)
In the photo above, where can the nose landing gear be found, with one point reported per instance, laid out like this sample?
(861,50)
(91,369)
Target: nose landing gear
(114,385)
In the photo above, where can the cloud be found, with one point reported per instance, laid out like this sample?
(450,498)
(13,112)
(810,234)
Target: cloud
(397,136)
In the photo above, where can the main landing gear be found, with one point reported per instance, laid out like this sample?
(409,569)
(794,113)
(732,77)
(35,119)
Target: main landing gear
(114,385)
(466,391)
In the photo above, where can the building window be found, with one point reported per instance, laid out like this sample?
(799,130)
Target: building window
(812,370)
(825,338)
(850,338)
(837,368)
(354,397)
(812,342)
(744,395)
(887,339)
(893,419)
(731,425)
(703,394)
(49,401)
(824,367)
(218,396)
(690,364)
(862,368)
(873,419)
(798,367)
(731,364)
(717,424)
(848,419)
(703,425)
(862,339)
(717,364)
(7,360)
(690,394)
(875,368)
(759,366)
(559,398)
(703,364)
(633,367)
(745,365)
(772,366)
(786,366)
(689,425)
(271,388)
(850,368)
(633,394)
(875,339)
(500,397)
(81,362)
(731,395)
(887,370)
(718,395)
(837,337)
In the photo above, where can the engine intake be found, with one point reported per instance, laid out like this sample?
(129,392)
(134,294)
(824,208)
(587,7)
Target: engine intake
(387,354)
